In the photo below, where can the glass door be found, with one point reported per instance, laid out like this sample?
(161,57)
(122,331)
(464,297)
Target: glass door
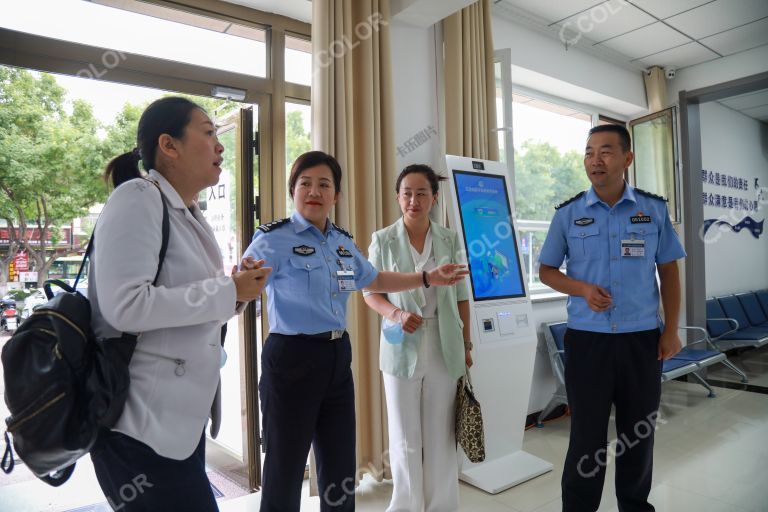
(231,207)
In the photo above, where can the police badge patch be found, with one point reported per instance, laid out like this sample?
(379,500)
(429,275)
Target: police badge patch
(344,253)
(584,221)
(304,250)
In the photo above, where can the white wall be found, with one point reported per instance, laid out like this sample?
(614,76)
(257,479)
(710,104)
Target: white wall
(739,65)
(736,145)
(579,76)
(414,83)
(425,13)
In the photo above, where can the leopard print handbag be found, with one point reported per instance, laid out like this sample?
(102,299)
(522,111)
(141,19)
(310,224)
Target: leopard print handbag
(469,421)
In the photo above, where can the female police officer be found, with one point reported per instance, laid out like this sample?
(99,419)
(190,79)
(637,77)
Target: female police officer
(306,388)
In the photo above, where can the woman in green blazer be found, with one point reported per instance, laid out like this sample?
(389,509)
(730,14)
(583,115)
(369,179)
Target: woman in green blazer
(425,348)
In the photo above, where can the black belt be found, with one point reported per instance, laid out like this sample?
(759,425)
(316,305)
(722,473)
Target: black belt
(327,335)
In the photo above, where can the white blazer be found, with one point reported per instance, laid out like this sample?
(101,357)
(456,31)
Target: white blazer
(175,367)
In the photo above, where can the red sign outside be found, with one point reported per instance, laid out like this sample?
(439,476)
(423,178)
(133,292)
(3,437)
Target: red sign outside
(21,262)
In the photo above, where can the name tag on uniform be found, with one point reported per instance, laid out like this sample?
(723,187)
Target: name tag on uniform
(633,248)
(346,279)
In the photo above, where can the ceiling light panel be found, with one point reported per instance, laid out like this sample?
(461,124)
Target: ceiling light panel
(739,39)
(647,41)
(607,20)
(719,16)
(665,9)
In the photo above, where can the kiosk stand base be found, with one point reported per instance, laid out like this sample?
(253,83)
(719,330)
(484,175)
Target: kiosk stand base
(508,471)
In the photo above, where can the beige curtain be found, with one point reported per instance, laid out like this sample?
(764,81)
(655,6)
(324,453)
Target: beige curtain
(352,119)
(470,96)
(655,88)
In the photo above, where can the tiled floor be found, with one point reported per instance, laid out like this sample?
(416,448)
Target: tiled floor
(753,361)
(710,454)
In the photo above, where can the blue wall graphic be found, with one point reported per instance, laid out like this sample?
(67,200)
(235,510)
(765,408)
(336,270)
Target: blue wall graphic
(754,227)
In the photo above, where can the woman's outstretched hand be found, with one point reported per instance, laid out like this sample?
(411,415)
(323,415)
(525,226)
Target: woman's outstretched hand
(447,275)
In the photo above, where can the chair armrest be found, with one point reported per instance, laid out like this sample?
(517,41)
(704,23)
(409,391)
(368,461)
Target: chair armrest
(706,340)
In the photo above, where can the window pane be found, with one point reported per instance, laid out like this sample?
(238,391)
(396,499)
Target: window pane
(144,29)
(531,241)
(549,147)
(298,60)
(500,113)
(549,144)
(297,141)
(654,163)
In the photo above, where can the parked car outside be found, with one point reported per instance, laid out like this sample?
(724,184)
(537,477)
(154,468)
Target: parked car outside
(33,302)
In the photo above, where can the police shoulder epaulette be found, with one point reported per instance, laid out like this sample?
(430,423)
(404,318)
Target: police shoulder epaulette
(569,201)
(648,194)
(342,231)
(269,226)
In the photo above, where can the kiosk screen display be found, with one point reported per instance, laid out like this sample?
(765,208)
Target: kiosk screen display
(489,236)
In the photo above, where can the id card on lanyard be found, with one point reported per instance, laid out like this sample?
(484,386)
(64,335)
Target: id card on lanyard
(345,278)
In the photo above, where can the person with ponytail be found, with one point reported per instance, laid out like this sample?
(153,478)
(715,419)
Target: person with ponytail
(156,449)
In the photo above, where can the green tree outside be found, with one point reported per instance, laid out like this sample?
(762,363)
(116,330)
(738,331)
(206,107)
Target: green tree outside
(297,141)
(544,177)
(49,163)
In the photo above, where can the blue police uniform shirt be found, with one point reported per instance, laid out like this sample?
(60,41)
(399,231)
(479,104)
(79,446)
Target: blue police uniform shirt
(303,290)
(597,241)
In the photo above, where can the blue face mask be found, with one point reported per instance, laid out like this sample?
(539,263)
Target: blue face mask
(393,332)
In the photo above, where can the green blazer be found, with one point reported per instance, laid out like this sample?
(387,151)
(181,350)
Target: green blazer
(390,251)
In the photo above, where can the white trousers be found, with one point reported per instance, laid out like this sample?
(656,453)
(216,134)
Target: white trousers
(422,445)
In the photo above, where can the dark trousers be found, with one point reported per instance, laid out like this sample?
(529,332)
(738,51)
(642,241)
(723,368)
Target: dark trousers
(307,398)
(601,370)
(134,478)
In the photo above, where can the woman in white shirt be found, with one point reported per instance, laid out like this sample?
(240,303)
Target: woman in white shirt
(153,458)
(425,348)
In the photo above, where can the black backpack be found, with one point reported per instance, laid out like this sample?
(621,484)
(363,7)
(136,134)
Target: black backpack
(62,384)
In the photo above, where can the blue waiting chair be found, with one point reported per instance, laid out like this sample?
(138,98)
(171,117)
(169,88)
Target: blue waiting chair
(762,298)
(701,352)
(751,306)
(694,357)
(554,336)
(729,325)
(704,353)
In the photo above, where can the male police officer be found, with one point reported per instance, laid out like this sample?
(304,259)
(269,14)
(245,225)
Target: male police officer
(614,238)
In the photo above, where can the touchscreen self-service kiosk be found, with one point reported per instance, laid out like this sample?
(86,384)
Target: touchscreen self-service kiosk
(503,329)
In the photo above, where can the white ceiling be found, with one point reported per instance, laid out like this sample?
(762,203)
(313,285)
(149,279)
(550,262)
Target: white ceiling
(296,9)
(641,33)
(753,104)
(676,33)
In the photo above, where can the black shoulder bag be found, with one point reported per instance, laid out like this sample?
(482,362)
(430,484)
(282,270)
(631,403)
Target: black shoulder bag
(62,385)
